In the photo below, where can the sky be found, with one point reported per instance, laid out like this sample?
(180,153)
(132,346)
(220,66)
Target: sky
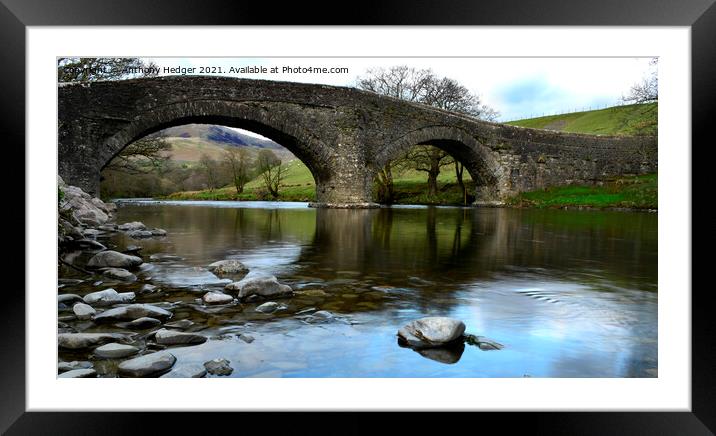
(516,87)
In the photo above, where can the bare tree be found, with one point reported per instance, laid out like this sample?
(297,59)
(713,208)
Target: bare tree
(142,156)
(646,91)
(93,69)
(422,86)
(271,170)
(239,163)
(210,169)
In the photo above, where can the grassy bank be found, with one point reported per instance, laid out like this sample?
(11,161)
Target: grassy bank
(636,192)
(634,119)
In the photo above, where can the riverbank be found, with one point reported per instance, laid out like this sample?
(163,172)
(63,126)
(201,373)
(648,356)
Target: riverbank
(624,193)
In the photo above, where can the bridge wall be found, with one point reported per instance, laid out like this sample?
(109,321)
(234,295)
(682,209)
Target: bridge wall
(343,135)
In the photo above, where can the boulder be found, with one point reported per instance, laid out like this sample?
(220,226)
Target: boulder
(83,311)
(68,298)
(142,323)
(214,297)
(263,287)
(108,297)
(113,259)
(171,337)
(79,373)
(119,274)
(228,267)
(134,225)
(69,366)
(186,371)
(131,312)
(139,234)
(219,367)
(181,324)
(148,365)
(115,351)
(158,232)
(435,331)
(77,341)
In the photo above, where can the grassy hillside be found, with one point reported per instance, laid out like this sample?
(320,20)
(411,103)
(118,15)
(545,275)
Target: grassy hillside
(636,119)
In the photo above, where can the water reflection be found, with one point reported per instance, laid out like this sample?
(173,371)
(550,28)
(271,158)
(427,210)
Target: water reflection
(569,294)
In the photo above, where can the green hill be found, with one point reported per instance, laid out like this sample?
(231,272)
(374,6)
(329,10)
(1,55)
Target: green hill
(635,119)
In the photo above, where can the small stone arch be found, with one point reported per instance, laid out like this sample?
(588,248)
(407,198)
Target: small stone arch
(479,160)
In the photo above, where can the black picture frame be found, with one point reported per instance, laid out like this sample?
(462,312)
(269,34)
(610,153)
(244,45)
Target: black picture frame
(16,15)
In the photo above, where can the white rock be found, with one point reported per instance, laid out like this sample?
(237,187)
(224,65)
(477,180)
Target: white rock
(265,287)
(171,337)
(214,297)
(432,331)
(83,311)
(229,266)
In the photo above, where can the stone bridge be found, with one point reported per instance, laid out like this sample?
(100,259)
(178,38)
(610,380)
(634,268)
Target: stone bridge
(343,135)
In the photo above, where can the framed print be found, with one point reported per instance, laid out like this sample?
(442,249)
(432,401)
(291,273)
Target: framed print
(443,209)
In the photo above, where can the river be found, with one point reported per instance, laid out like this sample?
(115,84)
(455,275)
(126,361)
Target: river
(567,293)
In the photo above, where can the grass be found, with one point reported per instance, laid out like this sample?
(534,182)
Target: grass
(635,119)
(635,192)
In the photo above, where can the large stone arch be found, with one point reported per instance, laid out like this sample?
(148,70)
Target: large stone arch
(285,130)
(478,159)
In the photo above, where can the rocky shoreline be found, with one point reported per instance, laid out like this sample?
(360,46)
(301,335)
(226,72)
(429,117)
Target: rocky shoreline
(110,333)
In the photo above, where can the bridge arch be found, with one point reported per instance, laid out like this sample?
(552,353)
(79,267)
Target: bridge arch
(484,168)
(285,131)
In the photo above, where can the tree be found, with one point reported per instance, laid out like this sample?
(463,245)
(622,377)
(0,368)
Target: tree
(239,164)
(93,69)
(142,156)
(422,86)
(646,91)
(210,169)
(271,170)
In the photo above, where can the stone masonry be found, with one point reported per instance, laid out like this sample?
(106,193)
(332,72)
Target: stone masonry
(343,135)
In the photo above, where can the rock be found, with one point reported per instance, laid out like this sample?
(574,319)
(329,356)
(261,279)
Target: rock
(119,274)
(115,351)
(147,289)
(164,257)
(158,232)
(148,365)
(139,234)
(171,337)
(108,227)
(432,331)
(68,229)
(132,249)
(76,341)
(215,297)
(131,312)
(68,298)
(142,323)
(323,314)
(83,311)
(113,259)
(90,233)
(264,287)
(186,371)
(79,204)
(483,343)
(79,373)
(88,244)
(270,307)
(126,297)
(218,367)
(181,324)
(246,338)
(134,225)
(227,267)
(69,366)
(106,297)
